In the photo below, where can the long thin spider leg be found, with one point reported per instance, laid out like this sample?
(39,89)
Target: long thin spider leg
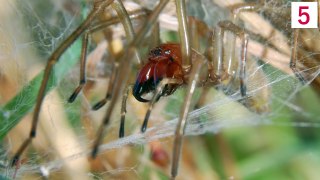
(108,96)
(126,22)
(104,24)
(124,71)
(83,59)
(294,51)
(98,8)
(243,61)
(181,126)
(132,15)
(155,36)
(218,68)
(229,26)
(236,9)
(155,97)
(231,38)
(123,111)
(129,33)
(184,34)
(155,40)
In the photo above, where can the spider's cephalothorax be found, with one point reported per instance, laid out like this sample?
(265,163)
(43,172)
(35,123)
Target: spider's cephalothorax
(164,61)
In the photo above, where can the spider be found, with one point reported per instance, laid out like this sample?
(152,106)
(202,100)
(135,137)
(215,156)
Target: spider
(169,66)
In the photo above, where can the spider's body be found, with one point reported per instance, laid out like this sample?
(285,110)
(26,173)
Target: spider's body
(164,62)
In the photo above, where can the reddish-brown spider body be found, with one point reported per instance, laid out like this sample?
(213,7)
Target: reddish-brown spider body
(164,61)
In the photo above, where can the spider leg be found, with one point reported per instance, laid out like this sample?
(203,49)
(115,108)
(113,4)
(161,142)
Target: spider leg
(123,111)
(195,33)
(294,51)
(108,96)
(154,41)
(229,26)
(83,60)
(244,45)
(181,125)
(155,36)
(184,34)
(218,68)
(126,22)
(124,71)
(54,58)
(235,10)
(200,33)
(100,26)
(155,97)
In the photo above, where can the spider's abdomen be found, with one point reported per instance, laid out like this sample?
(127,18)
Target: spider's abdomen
(163,62)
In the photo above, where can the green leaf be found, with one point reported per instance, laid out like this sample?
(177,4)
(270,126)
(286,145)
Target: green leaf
(24,101)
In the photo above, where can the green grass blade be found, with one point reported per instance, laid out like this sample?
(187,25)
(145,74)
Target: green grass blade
(24,101)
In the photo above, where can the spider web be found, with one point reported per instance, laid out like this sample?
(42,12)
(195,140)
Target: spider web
(280,110)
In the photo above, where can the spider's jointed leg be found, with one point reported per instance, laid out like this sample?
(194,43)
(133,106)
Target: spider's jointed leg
(98,8)
(126,22)
(156,96)
(85,28)
(115,68)
(229,26)
(123,111)
(181,126)
(108,96)
(83,59)
(124,70)
(184,33)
